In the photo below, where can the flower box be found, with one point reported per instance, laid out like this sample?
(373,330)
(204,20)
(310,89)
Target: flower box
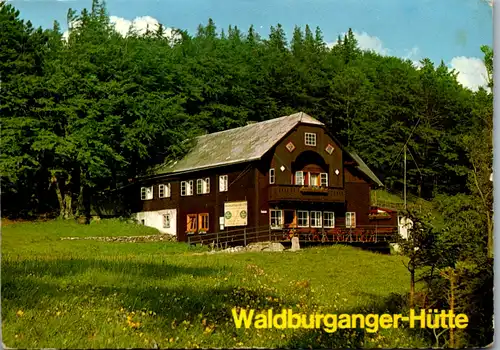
(313,189)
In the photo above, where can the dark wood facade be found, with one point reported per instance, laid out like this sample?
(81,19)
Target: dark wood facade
(346,190)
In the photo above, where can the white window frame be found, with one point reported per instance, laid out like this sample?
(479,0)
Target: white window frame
(329,216)
(312,216)
(272,176)
(203,186)
(223,183)
(166,220)
(310,139)
(164,191)
(323,179)
(146,193)
(186,188)
(299,175)
(350,219)
(279,218)
(306,218)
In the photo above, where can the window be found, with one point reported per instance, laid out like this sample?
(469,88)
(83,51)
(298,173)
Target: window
(315,219)
(328,219)
(166,220)
(313,179)
(276,218)
(187,188)
(223,183)
(323,178)
(350,220)
(146,193)
(310,139)
(302,218)
(272,176)
(203,222)
(203,186)
(191,223)
(299,178)
(164,191)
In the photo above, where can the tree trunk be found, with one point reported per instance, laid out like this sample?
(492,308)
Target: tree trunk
(68,201)
(412,288)
(64,196)
(79,204)
(55,182)
(452,306)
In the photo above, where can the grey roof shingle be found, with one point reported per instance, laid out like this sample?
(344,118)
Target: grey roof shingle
(243,144)
(365,169)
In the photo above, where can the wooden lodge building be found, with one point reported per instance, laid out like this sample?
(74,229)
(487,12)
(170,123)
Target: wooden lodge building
(269,180)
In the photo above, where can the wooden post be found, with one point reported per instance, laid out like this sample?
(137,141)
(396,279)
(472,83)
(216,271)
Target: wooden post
(217,236)
(244,237)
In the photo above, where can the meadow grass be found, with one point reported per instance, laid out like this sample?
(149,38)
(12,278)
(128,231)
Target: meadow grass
(90,294)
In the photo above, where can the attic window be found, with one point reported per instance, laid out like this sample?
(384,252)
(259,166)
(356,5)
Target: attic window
(290,146)
(329,149)
(310,139)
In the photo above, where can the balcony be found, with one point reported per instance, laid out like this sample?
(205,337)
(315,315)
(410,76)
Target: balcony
(305,194)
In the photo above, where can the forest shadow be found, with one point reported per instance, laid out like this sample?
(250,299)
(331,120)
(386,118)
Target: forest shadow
(70,267)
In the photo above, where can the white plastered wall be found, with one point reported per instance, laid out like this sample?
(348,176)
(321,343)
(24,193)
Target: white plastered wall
(155,219)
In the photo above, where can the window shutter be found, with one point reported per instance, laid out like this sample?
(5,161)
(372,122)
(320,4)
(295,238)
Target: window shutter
(324,179)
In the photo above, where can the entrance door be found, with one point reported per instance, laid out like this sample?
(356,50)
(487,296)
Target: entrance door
(290,218)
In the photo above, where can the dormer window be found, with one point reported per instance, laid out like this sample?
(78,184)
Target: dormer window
(310,139)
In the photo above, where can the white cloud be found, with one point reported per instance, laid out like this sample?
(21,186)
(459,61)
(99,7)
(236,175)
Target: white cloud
(366,42)
(471,71)
(140,25)
(371,43)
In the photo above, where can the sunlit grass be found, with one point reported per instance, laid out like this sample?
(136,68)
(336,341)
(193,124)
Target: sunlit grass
(88,294)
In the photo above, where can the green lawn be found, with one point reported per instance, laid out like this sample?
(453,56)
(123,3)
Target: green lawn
(383,198)
(89,294)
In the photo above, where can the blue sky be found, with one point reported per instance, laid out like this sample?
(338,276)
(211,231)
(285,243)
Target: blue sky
(448,30)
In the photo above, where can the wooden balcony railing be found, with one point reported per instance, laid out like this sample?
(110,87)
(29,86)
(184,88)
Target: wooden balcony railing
(305,194)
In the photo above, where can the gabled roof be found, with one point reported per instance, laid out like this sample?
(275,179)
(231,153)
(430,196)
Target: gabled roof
(365,169)
(243,144)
